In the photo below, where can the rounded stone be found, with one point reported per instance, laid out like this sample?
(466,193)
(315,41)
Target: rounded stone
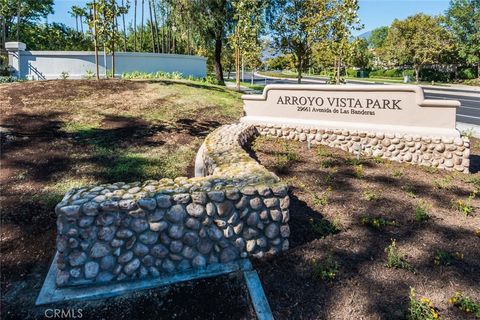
(199,261)
(99,250)
(188,252)
(262,242)
(140,249)
(191,239)
(124,233)
(272,230)
(168,266)
(62,278)
(217,196)
(253,219)
(163,201)
(224,208)
(107,262)
(158,226)
(271,202)
(91,269)
(75,272)
(256,203)
(139,225)
(85,222)
(285,231)
(176,213)
(199,197)
(440,147)
(149,237)
(192,223)
(176,246)
(106,233)
(228,254)
(195,210)
(276,215)
(214,233)
(159,251)
(148,260)
(147,204)
(90,208)
(125,257)
(69,211)
(251,245)
(205,246)
(176,231)
(228,232)
(211,210)
(132,266)
(77,258)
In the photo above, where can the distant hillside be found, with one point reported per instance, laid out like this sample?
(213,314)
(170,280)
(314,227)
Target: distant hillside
(365,35)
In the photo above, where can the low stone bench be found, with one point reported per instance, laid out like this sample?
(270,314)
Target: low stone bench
(128,231)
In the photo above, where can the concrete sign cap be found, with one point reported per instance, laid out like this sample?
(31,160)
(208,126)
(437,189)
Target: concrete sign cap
(15,46)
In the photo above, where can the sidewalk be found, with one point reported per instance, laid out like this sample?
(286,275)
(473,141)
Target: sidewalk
(469,129)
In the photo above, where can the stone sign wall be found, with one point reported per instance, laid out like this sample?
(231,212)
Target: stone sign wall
(392,122)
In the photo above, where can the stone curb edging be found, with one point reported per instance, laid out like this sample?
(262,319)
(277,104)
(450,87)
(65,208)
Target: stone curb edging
(441,152)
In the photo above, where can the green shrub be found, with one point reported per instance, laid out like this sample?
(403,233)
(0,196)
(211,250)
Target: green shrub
(445,258)
(421,211)
(376,223)
(8,79)
(467,74)
(325,269)
(324,227)
(352,73)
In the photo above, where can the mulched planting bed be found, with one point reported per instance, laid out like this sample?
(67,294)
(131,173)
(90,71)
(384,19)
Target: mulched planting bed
(344,212)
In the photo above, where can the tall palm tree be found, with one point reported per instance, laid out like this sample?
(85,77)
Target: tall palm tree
(152,27)
(73,13)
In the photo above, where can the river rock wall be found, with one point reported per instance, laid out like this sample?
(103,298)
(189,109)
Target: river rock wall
(127,231)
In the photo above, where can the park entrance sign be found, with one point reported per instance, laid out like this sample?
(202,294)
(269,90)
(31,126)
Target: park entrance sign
(394,122)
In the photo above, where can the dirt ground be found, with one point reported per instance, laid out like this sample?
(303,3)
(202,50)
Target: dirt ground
(327,188)
(59,134)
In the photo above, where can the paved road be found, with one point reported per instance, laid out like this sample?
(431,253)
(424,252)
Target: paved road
(469,111)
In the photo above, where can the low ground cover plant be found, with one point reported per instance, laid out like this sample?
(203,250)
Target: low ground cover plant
(395,259)
(421,308)
(464,206)
(465,304)
(323,227)
(421,211)
(446,258)
(376,223)
(326,268)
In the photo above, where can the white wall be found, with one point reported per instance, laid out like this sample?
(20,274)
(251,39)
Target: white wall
(50,64)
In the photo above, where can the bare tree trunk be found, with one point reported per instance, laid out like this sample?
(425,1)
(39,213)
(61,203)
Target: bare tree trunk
(135,26)
(151,25)
(76,22)
(157,37)
(299,69)
(417,73)
(95,38)
(18,19)
(124,28)
(141,30)
(163,25)
(218,58)
(114,30)
(81,23)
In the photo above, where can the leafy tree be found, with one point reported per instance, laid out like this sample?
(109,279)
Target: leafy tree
(377,37)
(248,18)
(463,19)
(360,57)
(417,41)
(297,25)
(29,11)
(55,36)
(282,62)
(346,19)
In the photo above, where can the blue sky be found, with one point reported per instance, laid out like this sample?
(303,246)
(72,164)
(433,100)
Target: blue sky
(373,13)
